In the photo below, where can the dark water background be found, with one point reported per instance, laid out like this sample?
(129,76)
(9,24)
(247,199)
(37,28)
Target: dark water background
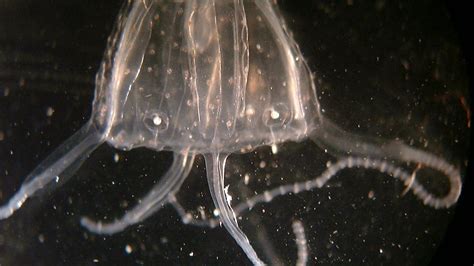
(376,63)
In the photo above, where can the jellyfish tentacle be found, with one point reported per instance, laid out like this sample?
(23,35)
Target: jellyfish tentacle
(215,167)
(301,243)
(408,154)
(68,155)
(367,163)
(159,196)
(341,144)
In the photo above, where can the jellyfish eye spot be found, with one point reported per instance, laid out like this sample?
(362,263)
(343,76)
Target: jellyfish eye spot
(276,116)
(156,121)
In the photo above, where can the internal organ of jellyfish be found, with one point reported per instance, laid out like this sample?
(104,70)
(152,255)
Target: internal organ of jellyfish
(214,78)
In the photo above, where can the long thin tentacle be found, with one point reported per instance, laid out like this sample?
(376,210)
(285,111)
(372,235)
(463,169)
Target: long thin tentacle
(342,144)
(70,154)
(352,162)
(159,196)
(215,166)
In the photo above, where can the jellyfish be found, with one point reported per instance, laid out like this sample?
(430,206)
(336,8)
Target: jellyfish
(215,78)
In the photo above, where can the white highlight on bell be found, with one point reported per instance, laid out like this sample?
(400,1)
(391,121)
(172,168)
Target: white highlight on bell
(274,114)
(157,120)
(274,148)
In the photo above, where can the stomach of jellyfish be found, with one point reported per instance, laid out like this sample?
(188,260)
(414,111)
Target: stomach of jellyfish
(374,81)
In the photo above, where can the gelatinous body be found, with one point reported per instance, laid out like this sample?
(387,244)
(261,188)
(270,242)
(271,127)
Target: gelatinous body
(214,78)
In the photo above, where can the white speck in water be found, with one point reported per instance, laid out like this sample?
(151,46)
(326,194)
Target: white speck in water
(371,194)
(216,212)
(49,111)
(262,164)
(381,251)
(57,179)
(191,254)
(128,249)
(95,260)
(116,157)
(41,238)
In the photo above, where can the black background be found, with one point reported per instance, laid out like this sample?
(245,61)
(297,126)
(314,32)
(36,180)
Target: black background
(50,52)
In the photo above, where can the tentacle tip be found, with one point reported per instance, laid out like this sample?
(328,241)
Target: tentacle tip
(4,214)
